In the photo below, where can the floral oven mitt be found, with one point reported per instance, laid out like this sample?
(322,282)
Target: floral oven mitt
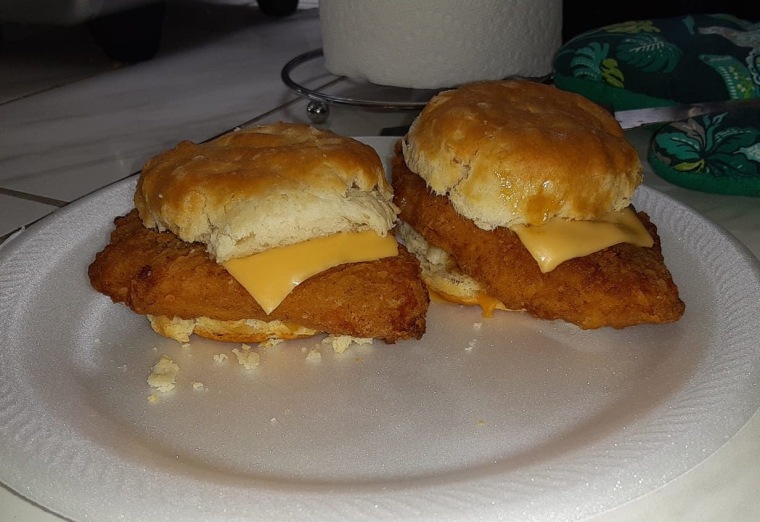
(673,61)
(717,153)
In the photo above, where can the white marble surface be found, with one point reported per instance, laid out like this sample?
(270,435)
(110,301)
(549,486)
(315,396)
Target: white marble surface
(16,212)
(68,127)
(102,128)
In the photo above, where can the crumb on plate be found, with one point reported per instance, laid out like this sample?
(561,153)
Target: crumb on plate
(163,375)
(270,343)
(246,357)
(341,342)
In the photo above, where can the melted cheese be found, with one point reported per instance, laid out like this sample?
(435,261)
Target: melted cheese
(487,303)
(561,239)
(271,275)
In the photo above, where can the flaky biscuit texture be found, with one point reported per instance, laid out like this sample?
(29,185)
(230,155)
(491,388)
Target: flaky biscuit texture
(264,187)
(520,153)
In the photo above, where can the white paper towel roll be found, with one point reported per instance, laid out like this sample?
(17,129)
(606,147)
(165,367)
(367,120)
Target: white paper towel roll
(430,44)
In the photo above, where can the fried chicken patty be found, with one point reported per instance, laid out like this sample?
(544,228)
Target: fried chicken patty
(155,273)
(619,286)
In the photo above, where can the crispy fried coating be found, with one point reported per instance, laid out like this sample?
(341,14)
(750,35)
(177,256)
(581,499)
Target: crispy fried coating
(620,286)
(158,274)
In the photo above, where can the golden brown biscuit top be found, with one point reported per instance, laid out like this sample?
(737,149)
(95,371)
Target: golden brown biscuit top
(264,187)
(517,152)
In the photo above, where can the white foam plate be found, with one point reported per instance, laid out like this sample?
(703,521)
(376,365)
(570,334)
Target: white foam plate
(507,417)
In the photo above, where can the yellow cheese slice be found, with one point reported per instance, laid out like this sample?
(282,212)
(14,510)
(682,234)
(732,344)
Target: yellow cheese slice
(561,239)
(271,275)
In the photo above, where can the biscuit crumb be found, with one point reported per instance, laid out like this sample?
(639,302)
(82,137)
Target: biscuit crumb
(198,386)
(185,346)
(163,375)
(481,422)
(152,398)
(246,358)
(270,343)
(341,342)
(220,358)
(477,326)
(471,345)
(314,355)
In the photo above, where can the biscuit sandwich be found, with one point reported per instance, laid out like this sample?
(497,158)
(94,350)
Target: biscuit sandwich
(273,232)
(517,196)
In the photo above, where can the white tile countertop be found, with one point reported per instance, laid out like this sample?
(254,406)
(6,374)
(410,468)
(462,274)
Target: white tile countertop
(69,127)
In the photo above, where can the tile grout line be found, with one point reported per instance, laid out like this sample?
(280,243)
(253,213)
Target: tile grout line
(58,85)
(60,203)
(33,197)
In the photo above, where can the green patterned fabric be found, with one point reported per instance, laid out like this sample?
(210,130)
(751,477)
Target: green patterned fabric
(717,153)
(671,61)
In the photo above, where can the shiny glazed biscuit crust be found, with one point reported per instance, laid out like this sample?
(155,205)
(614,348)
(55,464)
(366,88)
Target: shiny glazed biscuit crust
(518,152)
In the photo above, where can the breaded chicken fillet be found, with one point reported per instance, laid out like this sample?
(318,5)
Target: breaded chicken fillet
(155,273)
(619,286)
